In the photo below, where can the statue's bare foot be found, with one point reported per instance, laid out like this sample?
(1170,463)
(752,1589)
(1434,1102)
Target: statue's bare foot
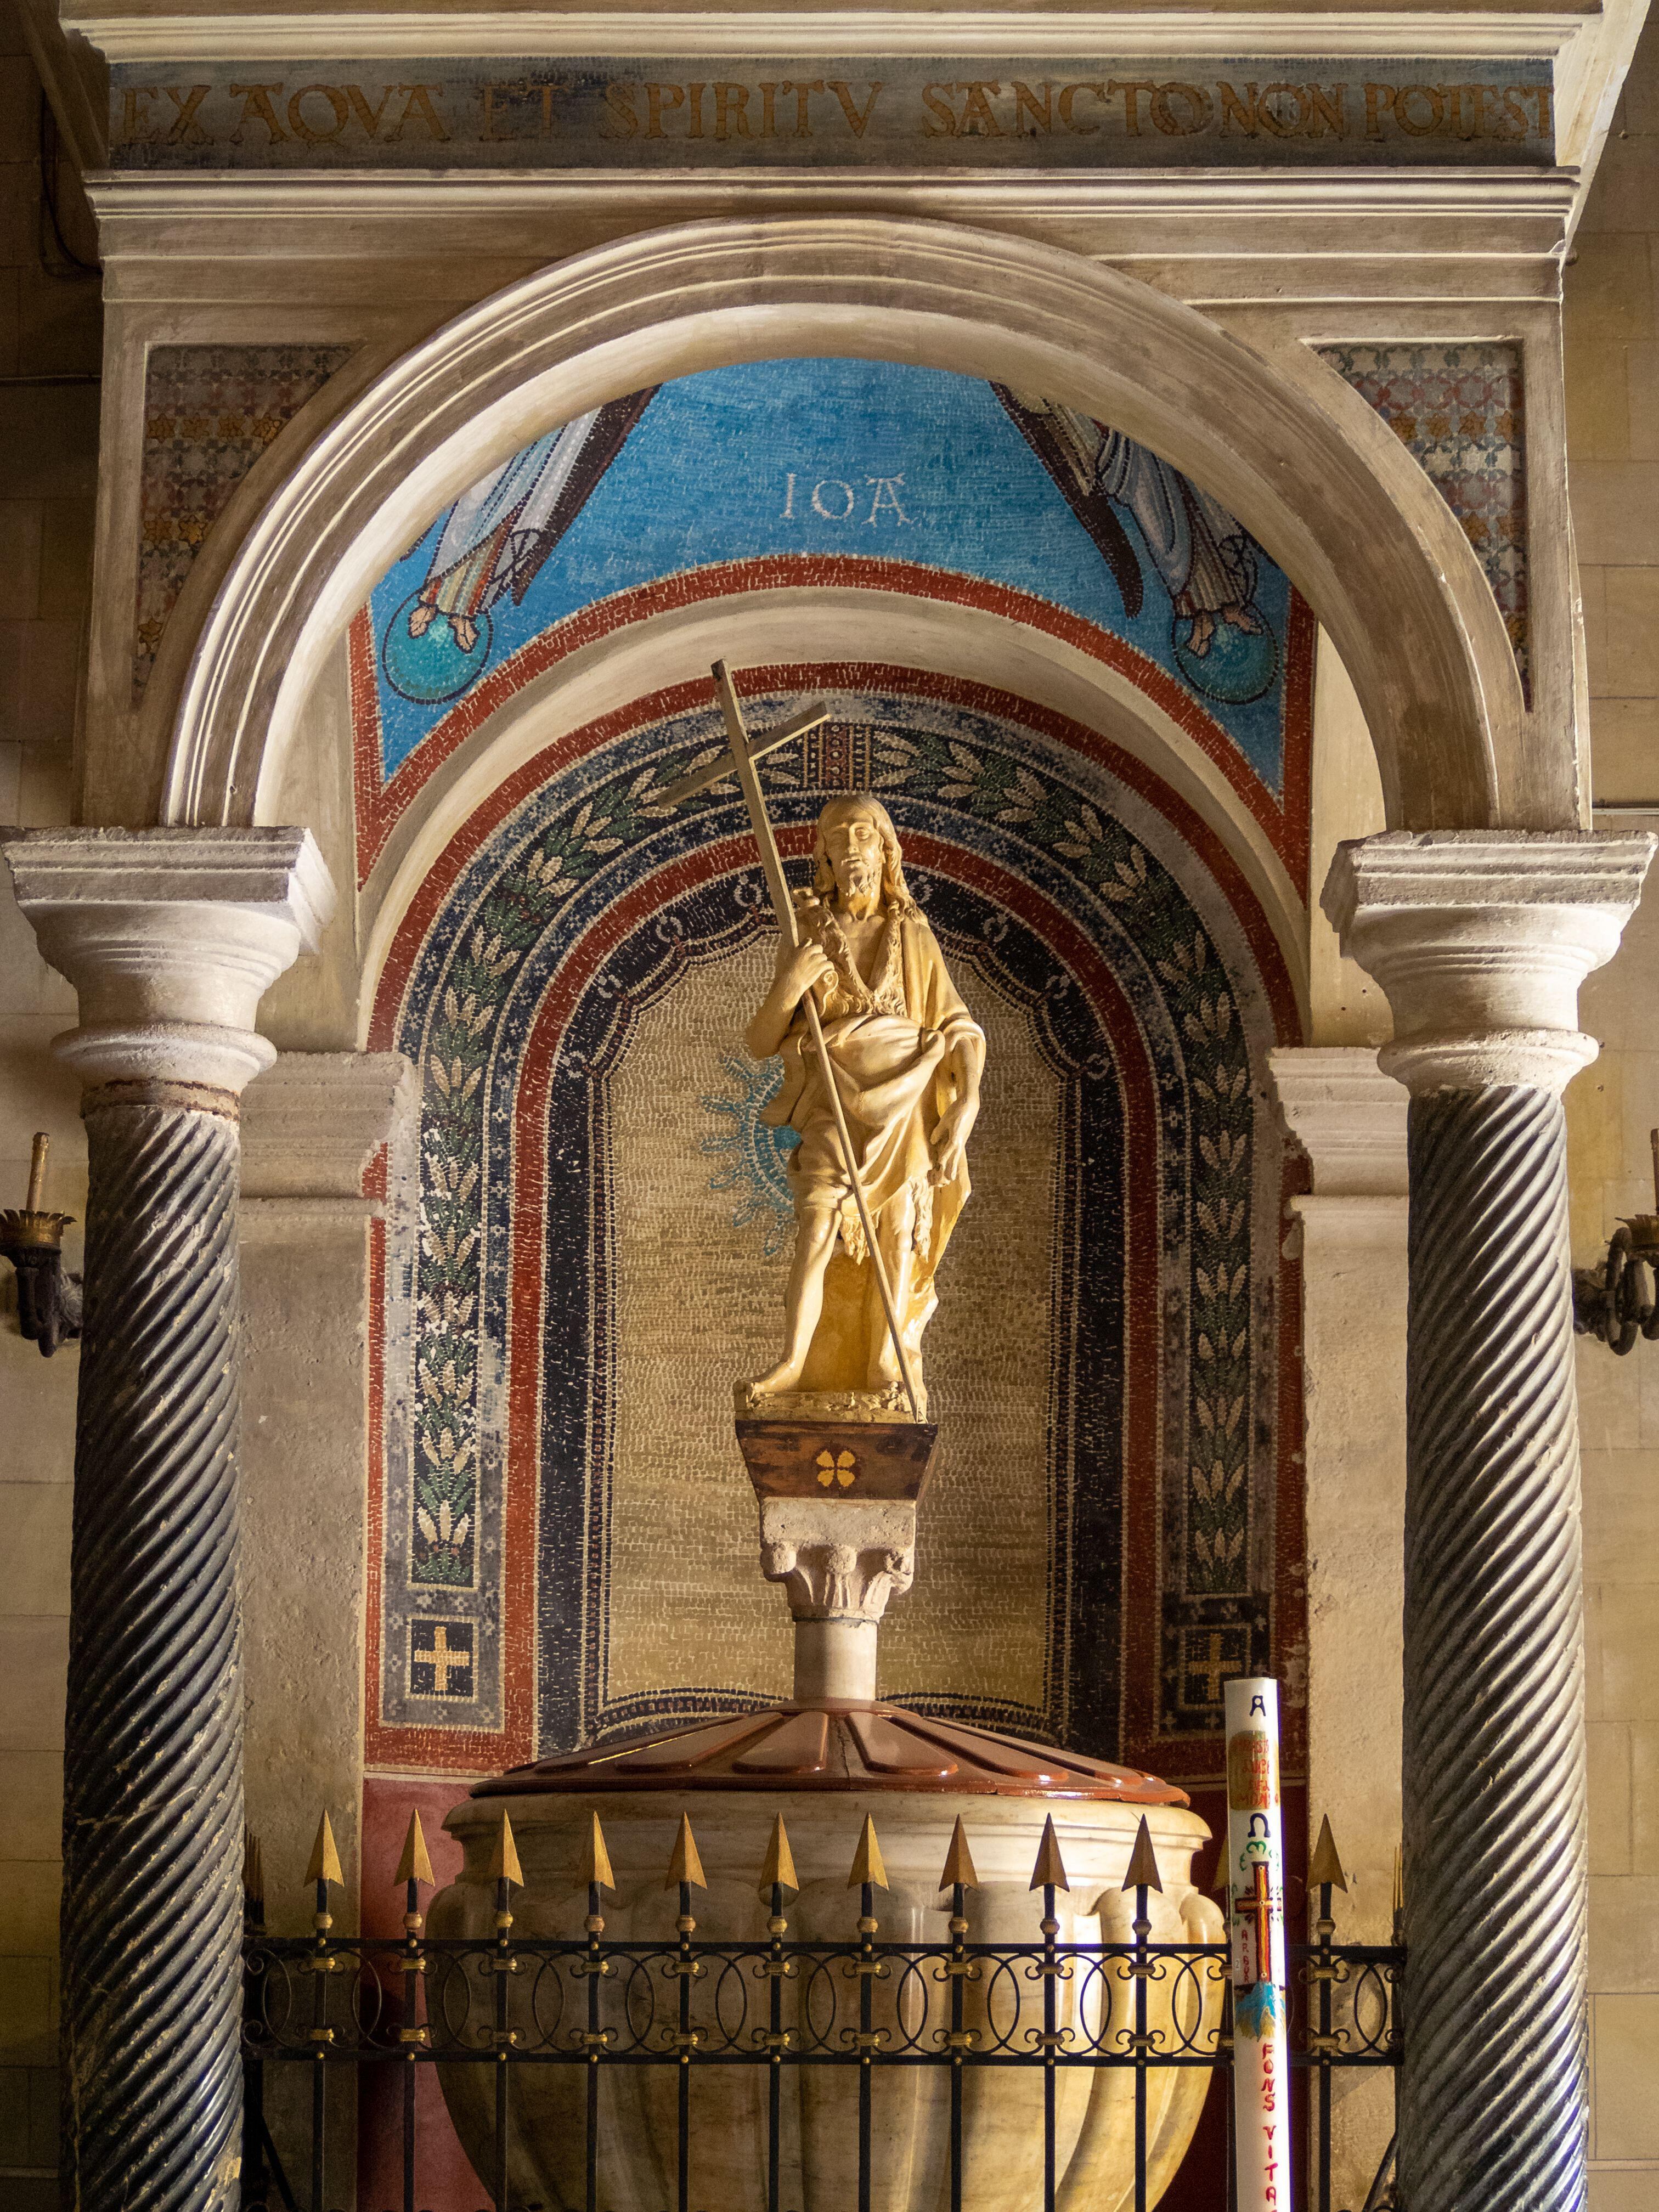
(786,1375)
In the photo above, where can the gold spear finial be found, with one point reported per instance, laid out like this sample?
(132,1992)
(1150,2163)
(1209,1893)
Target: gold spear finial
(504,1859)
(596,1860)
(1050,1867)
(958,1861)
(685,1866)
(1143,1863)
(325,1858)
(779,1872)
(867,1860)
(414,1865)
(1326,1864)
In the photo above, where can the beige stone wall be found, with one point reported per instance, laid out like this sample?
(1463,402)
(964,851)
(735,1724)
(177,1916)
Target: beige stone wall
(1612,357)
(50,349)
(1612,416)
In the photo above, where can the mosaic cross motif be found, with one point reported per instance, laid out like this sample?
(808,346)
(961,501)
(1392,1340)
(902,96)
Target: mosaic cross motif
(209,412)
(441,1659)
(1460,410)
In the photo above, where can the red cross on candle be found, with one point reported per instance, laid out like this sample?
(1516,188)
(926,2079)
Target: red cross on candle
(1255,1908)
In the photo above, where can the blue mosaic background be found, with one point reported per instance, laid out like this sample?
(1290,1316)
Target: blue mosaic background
(909,463)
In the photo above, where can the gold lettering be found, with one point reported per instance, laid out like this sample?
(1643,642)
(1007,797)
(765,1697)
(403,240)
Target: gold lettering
(856,120)
(417,108)
(134,121)
(1379,99)
(1068,93)
(1436,105)
(803,91)
(1131,89)
(933,100)
(619,98)
(368,116)
(1540,94)
(1025,103)
(297,117)
(186,100)
(1329,111)
(486,129)
(1468,104)
(256,108)
(1234,110)
(731,110)
(1199,106)
(654,95)
(977,120)
(547,87)
(694,93)
(768,93)
(1513,113)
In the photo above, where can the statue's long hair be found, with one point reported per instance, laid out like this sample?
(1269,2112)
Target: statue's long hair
(895,892)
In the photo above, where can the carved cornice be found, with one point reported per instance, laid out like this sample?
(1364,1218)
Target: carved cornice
(1480,939)
(1347,1114)
(214,34)
(171,938)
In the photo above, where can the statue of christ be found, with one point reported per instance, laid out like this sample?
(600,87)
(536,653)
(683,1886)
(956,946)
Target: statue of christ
(907,1057)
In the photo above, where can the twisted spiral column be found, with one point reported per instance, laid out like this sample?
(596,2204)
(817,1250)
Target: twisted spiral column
(1493,2085)
(153,1786)
(1481,939)
(171,938)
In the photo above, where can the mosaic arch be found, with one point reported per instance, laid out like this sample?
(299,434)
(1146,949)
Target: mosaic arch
(599,1236)
(810,473)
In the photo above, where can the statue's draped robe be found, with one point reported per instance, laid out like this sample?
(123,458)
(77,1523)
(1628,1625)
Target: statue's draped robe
(894,1092)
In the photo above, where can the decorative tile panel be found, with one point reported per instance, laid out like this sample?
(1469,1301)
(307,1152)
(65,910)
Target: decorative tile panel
(1460,410)
(209,412)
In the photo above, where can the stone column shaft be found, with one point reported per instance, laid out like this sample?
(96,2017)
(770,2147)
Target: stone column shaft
(170,937)
(1480,941)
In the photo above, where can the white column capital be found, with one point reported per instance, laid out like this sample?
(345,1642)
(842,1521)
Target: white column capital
(1481,938)
(171,938)
(1348,1117)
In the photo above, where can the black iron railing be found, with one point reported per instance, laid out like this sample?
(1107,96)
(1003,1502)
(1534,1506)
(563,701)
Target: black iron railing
(700,2004)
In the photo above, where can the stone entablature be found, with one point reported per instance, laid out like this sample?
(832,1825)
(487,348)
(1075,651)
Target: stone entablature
(951,111)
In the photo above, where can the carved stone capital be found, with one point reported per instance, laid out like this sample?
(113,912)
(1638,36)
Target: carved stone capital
(838,1559)
(1481,938)
(171,938)
(1348,1117)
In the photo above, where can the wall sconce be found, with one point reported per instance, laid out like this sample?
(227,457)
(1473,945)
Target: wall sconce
(1617,1301)
(48,1300)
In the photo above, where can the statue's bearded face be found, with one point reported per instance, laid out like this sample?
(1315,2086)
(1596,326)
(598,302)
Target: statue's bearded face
(853,847)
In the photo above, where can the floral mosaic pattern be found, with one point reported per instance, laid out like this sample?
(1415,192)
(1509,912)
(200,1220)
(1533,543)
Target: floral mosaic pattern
(209,412)
(1460,410)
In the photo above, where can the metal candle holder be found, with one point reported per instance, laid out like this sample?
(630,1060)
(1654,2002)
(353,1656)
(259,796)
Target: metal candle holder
(1617,1300)
(32,1238)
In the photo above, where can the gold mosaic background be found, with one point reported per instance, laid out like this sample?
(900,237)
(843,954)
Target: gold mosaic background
(698,1303)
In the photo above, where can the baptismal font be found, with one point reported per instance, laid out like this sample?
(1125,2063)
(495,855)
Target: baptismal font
(882,1062)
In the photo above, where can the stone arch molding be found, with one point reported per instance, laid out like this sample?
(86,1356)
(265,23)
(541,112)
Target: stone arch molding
(1361,532)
